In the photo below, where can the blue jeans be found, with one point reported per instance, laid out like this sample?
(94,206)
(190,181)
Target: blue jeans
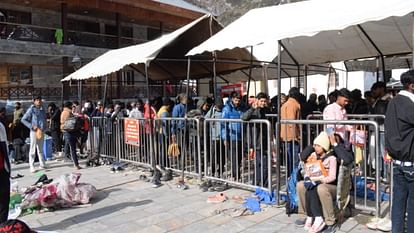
(292,148)
(403,199)
(70,146)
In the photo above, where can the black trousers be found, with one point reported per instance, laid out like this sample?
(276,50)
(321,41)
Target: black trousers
(216,157)
(57,140)
(235,156)
(4,195)
(313,204)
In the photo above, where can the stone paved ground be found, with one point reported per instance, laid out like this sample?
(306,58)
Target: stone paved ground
(125,204)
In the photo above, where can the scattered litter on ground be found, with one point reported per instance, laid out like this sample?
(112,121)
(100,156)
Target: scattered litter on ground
(46,195)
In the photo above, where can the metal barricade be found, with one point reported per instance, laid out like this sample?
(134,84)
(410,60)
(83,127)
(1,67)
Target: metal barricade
(238,152)
(161,133)
(104,138)
(371,127)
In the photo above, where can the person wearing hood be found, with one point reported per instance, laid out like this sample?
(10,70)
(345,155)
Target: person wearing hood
(231,132)
(215,150)
(203,105)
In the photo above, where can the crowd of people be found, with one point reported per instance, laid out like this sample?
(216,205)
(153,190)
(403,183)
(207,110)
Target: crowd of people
(69,128)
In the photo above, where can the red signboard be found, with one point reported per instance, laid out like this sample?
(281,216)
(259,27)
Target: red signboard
(131,127)
(227,90)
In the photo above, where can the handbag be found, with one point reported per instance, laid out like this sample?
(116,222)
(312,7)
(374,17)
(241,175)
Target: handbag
(173,150)
(39,134)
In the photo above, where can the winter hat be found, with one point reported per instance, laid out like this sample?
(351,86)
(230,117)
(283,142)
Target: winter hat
(322,140)
(219,102)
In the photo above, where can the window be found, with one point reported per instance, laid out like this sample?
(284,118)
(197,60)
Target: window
(125,31)
(19,17)
(20,75)
(153,33)
(128,77)
(83,26)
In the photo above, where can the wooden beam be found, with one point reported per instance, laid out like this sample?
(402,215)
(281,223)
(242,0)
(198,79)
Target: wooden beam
(163,8)
(132,12)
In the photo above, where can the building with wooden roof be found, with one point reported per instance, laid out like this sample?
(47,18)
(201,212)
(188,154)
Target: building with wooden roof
(42,41)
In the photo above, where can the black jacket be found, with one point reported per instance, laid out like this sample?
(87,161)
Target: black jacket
(262,139)
(399,128)
(55,120)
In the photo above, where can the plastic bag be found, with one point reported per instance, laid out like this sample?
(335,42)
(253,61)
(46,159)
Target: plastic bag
(83,193)
(66,185)
(48,195)
(70,192)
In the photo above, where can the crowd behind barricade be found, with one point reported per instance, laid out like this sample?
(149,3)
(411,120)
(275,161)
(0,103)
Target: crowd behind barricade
(70,127)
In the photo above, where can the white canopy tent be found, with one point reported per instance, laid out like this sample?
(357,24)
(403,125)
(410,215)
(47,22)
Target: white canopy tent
(321,31)
(169,51)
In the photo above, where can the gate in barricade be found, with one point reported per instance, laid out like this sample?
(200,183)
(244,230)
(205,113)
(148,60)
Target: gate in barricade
(238,152)
(366,194)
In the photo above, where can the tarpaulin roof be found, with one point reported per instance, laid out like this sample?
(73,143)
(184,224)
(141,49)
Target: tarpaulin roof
(165,56)
(320,31)
(374,64)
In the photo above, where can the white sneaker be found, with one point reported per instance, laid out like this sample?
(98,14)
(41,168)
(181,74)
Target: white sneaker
(32,170)
(44,166)
(384,225)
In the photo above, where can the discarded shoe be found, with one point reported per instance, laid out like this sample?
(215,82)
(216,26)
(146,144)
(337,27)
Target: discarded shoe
(156,179)
(43,180)
(167,175)
(221,187)
(219,198)
(206,185)
(156,184)
(330,229)
(143,178)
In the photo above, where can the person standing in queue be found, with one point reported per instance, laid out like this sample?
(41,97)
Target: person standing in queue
(399,142)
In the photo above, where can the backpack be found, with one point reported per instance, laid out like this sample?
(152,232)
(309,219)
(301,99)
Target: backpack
(15,226)
(292,202)
(73,124)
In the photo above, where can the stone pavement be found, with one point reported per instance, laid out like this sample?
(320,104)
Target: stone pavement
(126,204)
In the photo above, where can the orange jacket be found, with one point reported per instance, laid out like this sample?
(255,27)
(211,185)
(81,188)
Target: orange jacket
(290,111)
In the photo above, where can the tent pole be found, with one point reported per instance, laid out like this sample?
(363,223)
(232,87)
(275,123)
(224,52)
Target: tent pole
(413,41)
(214,76)
(279,91)
(305,82)
(377,63)
(61,95)
(214,62)
(184,151)
(266,78)
(80,93)
(250,75)
(100,131)
(152,151)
